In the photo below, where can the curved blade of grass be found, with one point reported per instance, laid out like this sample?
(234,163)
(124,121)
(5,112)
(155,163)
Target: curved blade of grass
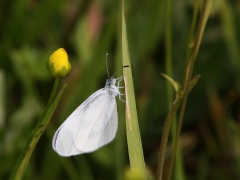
(133,134)
(23,160)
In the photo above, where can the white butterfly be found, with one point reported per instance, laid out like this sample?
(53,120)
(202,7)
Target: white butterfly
(92,125)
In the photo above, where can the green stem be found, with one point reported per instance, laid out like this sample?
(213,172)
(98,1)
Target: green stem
(24,158)
(207,4)
(54,90)
(191,42)
(165,134)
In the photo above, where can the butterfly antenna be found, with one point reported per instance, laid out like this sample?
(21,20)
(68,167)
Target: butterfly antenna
(107,65)
(120,69)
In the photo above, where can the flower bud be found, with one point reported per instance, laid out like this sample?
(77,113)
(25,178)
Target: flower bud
(58,64)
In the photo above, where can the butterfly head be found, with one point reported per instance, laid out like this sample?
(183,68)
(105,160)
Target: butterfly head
(110,82)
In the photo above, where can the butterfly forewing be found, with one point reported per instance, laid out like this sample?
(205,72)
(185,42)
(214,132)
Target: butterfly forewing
(98,125)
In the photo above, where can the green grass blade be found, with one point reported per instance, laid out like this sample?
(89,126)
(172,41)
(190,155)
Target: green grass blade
(133,134)
(230,31)
(23,160)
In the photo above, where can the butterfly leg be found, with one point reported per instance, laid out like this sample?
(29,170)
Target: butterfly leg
(119,96)
(120,79)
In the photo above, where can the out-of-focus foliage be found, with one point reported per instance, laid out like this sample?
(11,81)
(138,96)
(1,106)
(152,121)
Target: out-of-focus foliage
(31,30)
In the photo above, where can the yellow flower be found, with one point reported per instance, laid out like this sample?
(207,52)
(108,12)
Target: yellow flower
(58,64)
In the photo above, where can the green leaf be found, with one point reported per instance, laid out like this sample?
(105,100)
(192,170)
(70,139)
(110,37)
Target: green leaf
(175,84)
(133,134)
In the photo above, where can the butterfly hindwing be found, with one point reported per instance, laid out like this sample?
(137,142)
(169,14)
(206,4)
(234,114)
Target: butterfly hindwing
(63,142)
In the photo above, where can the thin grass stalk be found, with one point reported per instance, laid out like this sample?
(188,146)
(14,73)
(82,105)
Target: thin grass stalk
(191,42)
(207,4)
(179,168)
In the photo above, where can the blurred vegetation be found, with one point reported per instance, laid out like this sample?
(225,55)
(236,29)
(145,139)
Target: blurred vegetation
(31,30)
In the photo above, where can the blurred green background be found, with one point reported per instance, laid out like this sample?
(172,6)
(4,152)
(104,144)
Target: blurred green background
(30,30)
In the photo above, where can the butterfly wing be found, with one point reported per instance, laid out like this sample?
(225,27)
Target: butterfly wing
(98,124)
(63,141)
